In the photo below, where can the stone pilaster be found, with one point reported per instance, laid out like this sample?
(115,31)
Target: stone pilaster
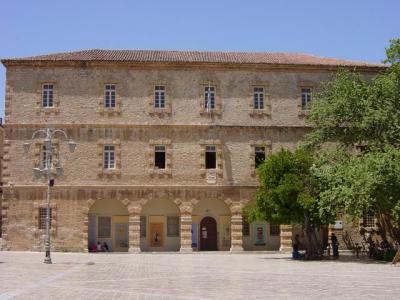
(4,208)
(134,233)
(236,233)
(186,208)
(286,238)
(85,224)
(134,209)
(186,233)
(236,208)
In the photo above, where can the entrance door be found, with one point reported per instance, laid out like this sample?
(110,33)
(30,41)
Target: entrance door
(208,234)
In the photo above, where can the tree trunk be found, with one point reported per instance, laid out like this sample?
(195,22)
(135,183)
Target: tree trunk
(312,251)
(387,230)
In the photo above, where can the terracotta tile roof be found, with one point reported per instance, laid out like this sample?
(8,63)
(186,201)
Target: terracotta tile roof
(160,56)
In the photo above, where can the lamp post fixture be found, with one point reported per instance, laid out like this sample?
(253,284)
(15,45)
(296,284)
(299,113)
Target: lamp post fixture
(46,171)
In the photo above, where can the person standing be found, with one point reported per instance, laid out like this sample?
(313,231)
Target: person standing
(295,246)
(335,245)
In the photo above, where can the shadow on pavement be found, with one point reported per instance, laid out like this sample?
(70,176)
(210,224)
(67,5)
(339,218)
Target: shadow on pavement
(341,259)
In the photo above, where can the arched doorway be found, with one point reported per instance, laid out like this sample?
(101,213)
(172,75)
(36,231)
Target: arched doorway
(160,226)
(108,225)
(217,210)
(208,234)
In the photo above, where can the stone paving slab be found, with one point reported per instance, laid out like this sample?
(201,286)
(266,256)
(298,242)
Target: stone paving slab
(192,276)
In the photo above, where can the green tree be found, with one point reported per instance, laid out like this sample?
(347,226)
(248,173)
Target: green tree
(393,52)
(353,112)
(287,195)
(356,184)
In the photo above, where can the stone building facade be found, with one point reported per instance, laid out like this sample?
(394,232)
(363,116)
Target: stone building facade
(167,145)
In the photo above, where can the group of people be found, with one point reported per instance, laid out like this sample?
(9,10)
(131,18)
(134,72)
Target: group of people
(376,249)
(99,247)
(296,245)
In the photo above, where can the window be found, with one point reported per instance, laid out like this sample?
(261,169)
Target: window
(109,95)
(306,96)
(245,228)
(104,227)
(143,226)
(259,155)
(274,229)
(159,157)
(209,98)
(109,157)
(258,98)
(172,226)
(47,95)
(211,157)
(46,158)
(368,220)
(42,217)
(159,96)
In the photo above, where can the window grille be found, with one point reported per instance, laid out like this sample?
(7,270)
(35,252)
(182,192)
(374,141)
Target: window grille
(47,95)
(42,217)
(172,226)
(143,226)
(109,157)
(258,98)
(46,158)
(209,98)
(109,95)
(274,229)
(368,220)
(104,227)
(159,96)
(245,227)
(306,97)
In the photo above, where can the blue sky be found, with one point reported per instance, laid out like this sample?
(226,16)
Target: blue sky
(350,29)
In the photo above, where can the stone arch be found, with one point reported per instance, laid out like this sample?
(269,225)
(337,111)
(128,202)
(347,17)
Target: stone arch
(218,210)
(157,212)
(86,210)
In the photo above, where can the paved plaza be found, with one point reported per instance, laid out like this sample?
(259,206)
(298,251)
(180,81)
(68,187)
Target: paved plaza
(192,276)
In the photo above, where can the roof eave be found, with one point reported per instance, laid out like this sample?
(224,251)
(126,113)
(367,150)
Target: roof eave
(22,62)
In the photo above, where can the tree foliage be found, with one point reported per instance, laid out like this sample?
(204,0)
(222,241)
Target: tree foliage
(393,52)
(287,194)
(369,182)
(285,188)
(360,171)
(350,162)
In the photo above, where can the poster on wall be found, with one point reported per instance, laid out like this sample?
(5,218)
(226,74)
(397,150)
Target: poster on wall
(156,234)
(259,234)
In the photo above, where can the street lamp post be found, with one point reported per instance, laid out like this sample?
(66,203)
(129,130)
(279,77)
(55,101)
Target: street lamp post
(45,171)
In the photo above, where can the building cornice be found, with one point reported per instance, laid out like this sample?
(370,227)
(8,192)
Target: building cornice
(189,65)
(123,126)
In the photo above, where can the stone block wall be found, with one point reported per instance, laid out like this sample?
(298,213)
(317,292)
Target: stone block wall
(134,127)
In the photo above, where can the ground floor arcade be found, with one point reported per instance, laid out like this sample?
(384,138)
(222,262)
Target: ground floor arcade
(162,227)
(138,219)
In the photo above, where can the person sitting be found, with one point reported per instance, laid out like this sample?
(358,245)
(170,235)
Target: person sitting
(105,247)
(99,249)
(93,248)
